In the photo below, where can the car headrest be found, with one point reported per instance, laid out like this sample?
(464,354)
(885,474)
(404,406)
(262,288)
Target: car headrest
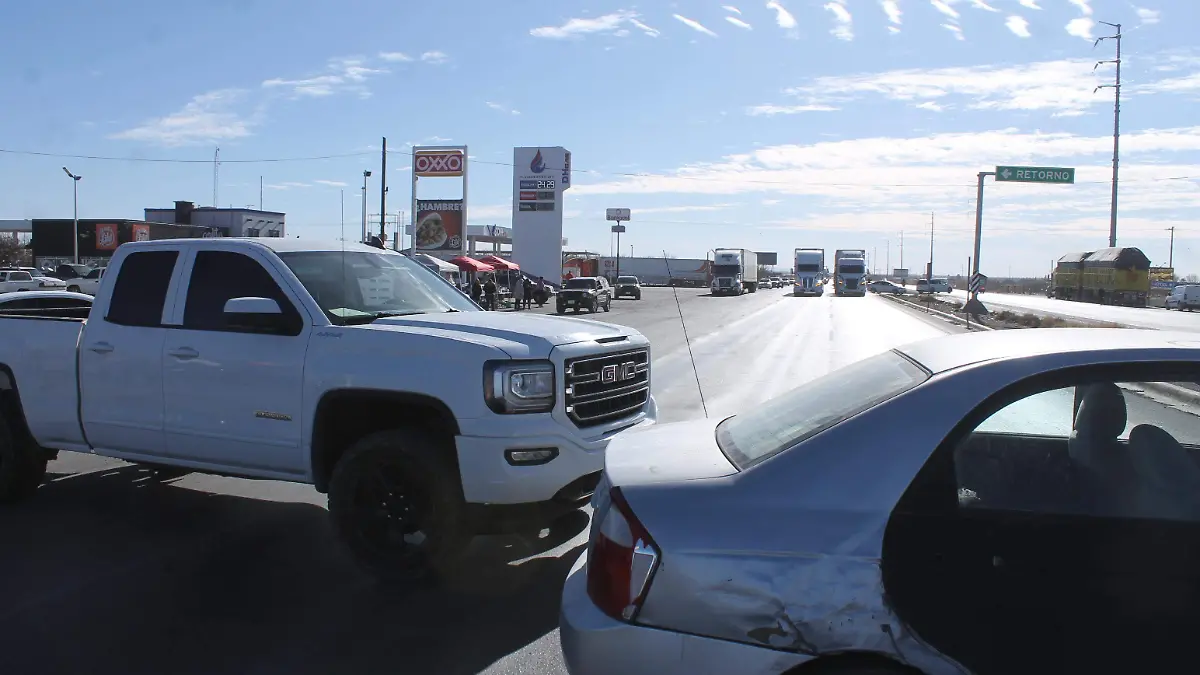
(1102,413)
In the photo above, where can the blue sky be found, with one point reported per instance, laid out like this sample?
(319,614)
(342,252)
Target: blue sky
(765,125)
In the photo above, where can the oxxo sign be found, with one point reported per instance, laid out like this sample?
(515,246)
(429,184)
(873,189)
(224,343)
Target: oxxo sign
(438,163)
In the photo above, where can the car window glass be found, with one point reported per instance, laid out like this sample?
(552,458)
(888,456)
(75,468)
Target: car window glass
(19,276)
(140,290)
(220,276)
(1124,449)
(19,304)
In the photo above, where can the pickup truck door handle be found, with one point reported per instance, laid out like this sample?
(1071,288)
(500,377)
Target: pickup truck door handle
(101,347)
(183,353)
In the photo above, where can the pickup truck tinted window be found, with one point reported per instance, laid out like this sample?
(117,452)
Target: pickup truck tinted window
(141,288)
(220,276)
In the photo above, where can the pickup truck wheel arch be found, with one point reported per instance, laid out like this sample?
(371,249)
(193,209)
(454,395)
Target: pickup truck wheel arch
(22,464)
(344,416)
(398,482)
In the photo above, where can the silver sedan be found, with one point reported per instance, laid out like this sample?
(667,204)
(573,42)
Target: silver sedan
(1019,501)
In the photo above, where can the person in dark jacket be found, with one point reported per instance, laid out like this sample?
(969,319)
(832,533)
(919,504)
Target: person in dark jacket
(528,288)
(477,291)
(489,294)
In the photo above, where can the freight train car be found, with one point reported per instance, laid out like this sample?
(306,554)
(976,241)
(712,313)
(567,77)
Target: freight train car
(1108,276)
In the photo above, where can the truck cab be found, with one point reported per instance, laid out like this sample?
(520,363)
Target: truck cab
(809,264)
(850,272)
(331,365)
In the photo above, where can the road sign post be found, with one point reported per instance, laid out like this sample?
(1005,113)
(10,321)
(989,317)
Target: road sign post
(618,215)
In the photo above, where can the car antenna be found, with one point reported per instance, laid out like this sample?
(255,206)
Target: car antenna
(686,340)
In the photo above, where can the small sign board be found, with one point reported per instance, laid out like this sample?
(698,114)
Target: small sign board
(977,281)
(620,229)
(1035,174)
(616,214)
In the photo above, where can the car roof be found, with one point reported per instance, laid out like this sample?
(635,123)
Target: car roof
(953,351)
(277,244)
(14,295)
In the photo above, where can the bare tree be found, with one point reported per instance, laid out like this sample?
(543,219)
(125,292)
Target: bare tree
(12,251)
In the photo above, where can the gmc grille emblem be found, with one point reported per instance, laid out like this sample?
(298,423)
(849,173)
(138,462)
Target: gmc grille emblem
(611,374)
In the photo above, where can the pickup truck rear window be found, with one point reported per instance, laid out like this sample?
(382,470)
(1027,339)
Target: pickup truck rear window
(141,288)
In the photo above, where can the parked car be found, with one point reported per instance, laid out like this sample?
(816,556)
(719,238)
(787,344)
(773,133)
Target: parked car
(16,280)
(934,286)
(88,283)
(1043,517)
(69,271)
(44,280)
(355,370)
(590,293)
(1184,297)
(628,286)
(883,286)
(45,300)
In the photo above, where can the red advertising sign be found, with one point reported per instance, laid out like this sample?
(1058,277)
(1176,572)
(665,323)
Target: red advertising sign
(106,237)
(528,195)
(141,233)
(439,163)
(439,225)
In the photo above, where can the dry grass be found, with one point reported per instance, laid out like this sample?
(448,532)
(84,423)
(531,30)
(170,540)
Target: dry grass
(1005,319)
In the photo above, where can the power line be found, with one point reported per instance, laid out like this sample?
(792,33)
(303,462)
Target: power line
(164,160)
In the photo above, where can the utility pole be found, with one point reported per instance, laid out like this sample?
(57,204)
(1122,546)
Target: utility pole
(366,175)
(216,174)
(1116,87)
(260,199)
(930,271)
(901,249)
(888,252)
(383,192)
(1171,255)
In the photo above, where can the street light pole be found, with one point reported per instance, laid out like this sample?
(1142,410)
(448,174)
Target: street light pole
(1171,255)
(366,175)
(1116,87)
(75,191)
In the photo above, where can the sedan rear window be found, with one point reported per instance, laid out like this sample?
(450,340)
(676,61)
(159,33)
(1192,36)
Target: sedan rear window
(787,420)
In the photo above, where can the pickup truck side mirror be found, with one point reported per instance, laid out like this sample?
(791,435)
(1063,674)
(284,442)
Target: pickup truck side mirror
(258,315)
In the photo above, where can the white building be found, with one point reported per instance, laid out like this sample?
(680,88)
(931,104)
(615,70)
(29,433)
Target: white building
(225,222)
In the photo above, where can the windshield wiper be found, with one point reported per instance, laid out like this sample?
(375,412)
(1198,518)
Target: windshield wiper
(374,316)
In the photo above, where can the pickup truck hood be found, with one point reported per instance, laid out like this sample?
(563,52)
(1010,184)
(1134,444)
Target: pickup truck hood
(537,333)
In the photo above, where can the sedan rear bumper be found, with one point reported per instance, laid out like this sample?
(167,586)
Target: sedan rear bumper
(593,642)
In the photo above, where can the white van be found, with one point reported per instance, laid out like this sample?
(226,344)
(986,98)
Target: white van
(1184,297)
(933,286)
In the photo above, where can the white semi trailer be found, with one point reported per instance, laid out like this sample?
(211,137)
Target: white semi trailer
(734,271)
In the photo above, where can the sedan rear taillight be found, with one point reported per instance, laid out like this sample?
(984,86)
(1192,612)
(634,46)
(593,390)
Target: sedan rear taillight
(622,560)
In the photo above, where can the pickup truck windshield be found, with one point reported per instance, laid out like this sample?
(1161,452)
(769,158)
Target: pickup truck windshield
(785,421)
(358,286)
(580,283)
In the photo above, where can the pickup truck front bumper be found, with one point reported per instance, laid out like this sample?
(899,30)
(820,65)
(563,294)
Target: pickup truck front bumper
(489,479)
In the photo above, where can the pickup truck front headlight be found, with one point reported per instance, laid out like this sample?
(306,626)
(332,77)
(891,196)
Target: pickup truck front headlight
(514,387)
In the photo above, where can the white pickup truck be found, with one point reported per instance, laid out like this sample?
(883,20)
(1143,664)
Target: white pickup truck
(355,370)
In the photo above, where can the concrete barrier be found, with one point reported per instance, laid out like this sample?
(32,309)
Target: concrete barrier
(973,325)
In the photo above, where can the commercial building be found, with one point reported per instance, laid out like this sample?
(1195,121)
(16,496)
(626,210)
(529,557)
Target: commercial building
(226,222)
(52,238)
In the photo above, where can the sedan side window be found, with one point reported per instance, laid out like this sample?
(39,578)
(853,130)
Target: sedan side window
(1108,449)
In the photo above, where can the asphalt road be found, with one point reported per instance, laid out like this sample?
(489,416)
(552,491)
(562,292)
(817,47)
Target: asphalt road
(111,571)
(1137,317)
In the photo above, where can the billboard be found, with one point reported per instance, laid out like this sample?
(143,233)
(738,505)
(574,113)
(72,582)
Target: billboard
(106,237)
(438,225)
(540,175)
(141,233)
(439,163)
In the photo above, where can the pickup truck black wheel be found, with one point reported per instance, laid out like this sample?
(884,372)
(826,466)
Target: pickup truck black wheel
(73,289)
(592,306)
(559,309)
(22,466)
(608,305)
(396,505)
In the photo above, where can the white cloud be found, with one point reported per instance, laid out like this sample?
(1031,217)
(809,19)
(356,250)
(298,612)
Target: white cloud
(682,209)
(206,118)
(783,18)
(694,25)
(332,183)
(892,9)
(1031,4)
(502,108)
(652,32)
(1148,16)
(395,56)
(788,109)
(930,105)
(1018,25)
(980,4)
(340,75)
(731,8)
(1081,28)
(287,185)
(1083,6)
(958,34)
(738,22)
(1171,85)
(1047,85)
(434,57)
(843,28)
(576,27)
(944,8)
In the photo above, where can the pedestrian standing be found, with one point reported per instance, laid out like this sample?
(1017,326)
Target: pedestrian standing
(528,289)
(489,293)
(477,291)
(518,291)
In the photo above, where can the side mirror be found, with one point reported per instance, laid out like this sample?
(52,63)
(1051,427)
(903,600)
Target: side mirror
(258,315)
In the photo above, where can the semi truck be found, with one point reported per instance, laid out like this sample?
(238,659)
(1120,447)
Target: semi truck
(734,271)
(652,271)
(810,264)
(850,271)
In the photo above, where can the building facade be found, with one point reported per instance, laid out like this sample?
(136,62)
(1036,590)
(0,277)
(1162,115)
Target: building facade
(228,222)
(98,238)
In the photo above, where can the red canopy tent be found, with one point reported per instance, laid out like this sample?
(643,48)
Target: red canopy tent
(471,265)
(499,263)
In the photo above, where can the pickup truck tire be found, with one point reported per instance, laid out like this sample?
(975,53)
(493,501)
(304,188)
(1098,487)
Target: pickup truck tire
(73,289)
(22,467)
(396,504)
